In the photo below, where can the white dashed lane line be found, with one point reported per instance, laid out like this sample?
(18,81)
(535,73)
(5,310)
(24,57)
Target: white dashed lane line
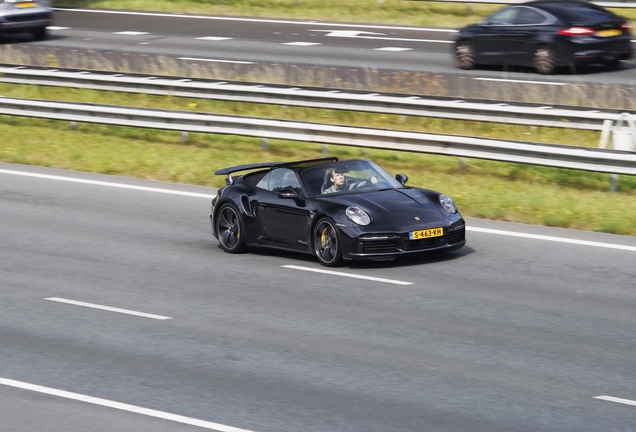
(131,33)
(394,49)
(108,308)
(305,44)
(616,400)
(214,38)
(348,275)
(120,406)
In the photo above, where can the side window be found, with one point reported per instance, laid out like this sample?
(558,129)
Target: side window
(504,17)
(264,182)
(281,178)
(529,16)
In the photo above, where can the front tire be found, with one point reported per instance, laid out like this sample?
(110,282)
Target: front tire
(465,55)
(544,60)
(327,246)
(229,229)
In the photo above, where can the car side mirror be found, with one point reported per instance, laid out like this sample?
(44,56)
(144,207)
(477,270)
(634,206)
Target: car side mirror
(287,193)
(402,178)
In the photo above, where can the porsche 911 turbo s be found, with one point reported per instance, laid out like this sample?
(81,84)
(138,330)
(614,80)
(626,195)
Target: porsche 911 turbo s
(25,16)
(545,34)
(336,210)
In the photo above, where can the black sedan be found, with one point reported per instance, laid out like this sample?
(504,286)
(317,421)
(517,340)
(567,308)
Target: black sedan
(335,210)
(545,34)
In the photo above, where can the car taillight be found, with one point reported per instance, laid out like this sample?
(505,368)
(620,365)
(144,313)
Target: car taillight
(576,31)
(626,26)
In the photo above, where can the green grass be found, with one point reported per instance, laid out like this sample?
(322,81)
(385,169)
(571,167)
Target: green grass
(503,191)
(417,13)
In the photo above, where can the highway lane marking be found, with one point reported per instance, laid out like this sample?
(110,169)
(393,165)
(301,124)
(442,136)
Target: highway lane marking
(354,34)
(520,81)
(393,49)
(109,184)
(302,43)
(554,239)
(270,21)
(216,60)
(121,406)
(349,275)
(131,33)
(214,38)
(617,400)
(207,196)
(108,308)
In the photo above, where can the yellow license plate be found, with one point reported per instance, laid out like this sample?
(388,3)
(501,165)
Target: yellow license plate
(424,234)
(26,5)
(608,33)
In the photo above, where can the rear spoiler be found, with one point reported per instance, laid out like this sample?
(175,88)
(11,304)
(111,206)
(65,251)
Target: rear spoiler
(229,171)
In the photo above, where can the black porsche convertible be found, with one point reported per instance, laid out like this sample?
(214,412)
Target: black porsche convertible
(335,210)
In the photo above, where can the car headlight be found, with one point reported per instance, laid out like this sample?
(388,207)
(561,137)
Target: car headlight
(447,203)
(358,216)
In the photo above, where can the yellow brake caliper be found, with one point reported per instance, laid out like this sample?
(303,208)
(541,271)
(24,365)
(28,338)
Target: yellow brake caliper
(323,237)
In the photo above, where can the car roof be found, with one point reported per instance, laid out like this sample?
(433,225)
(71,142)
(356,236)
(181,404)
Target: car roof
(575,12)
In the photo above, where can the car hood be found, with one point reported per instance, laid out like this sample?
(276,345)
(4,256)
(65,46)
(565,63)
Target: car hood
(395,207)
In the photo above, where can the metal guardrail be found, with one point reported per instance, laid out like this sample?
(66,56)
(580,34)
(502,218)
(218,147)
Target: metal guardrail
(588,159)
(385,103)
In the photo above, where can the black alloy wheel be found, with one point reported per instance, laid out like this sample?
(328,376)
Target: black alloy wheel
(229,229)
(465,55)
(327,244)
(544,60)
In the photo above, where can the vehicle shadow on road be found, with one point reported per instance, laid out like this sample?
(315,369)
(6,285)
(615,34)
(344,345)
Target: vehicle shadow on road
(400,261)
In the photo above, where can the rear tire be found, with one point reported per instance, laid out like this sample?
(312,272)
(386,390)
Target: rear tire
(39,33)
(327,245)
(229,229)
(465,55)
(612,64)
(544,60)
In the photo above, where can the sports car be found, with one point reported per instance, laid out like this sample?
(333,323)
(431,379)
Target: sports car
(336,210)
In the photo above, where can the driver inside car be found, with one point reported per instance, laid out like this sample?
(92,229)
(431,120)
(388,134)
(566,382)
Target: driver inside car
(340,183)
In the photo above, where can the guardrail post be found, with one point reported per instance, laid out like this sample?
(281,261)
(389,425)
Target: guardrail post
(462,165)
(325,150)
(264,143)
(623,138)
(471,8)
(184,137)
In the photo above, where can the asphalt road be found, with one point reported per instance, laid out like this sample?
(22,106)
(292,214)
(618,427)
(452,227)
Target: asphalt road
(350,51)
(511,333)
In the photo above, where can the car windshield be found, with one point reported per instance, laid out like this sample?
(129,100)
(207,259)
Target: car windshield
(347,177)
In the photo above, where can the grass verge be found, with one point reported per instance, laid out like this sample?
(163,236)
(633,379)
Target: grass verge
(401,12)
(492,190)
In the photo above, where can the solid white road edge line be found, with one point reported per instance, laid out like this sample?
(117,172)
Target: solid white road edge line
(110,184)
(108,308)
(554,239)
(349,275)
(121,406)
(617,400)
(200,195)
